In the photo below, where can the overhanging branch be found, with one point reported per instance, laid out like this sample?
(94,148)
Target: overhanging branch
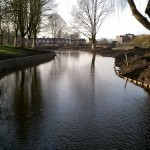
(143,20)
(147,10)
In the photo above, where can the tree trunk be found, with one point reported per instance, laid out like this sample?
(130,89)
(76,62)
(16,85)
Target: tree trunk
(34,43)
(15,41)
(143,20)
(1,37)
(93,43)
(8,37)
(1,43)
(22,42)
(16,38)
(34,40)
(30,42)
(93,46)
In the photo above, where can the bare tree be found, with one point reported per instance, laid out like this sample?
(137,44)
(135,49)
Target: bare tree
(75,35)
(36,10)
(12,17)
(66,35)
(3,13)
(137,14)
(88,17)
(5,23)
(56,25)
(26,16)
(40,9)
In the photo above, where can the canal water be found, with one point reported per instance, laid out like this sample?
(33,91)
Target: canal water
(73,103)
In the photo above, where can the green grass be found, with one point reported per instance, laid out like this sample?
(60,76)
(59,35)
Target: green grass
(8,52)
(17,51)
(5,50)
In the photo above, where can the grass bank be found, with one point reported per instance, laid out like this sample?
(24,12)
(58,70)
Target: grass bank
(15,58)
(8,52)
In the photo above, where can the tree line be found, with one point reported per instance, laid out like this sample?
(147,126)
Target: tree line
(20,19)
(26,18)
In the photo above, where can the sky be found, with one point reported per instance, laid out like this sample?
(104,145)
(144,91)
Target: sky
(117,23)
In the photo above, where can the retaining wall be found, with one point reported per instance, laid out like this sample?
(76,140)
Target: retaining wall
(25,61)
(136,82)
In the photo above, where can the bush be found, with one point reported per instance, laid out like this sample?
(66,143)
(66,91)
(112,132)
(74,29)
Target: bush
(141,41)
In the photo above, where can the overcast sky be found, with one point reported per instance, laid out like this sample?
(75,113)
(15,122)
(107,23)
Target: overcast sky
(117,23)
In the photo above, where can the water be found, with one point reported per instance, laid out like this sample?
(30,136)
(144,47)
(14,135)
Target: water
(72,103)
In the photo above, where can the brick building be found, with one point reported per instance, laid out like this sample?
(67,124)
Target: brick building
(122,39)
(58,41)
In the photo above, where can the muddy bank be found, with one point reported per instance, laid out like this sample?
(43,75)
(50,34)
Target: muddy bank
(133,64)
(136,67)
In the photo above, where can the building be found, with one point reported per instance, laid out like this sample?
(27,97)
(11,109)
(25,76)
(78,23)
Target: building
(59,41)
(54,42)
(77,41)
(50,41)
(123,39)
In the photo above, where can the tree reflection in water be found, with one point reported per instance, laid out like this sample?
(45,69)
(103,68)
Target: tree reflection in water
(93,62)
(74,103)
(27,101)
(93,74)
(24,105)
(3,100)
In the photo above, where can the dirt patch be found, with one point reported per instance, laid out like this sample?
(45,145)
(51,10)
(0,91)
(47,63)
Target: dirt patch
(138,67)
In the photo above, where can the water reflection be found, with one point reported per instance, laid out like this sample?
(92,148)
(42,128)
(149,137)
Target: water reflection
(93,75)
(4,114)
(93,61)
(74,102)
(126,82)
(27,103)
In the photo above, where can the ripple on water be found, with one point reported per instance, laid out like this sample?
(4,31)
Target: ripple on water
(69,103)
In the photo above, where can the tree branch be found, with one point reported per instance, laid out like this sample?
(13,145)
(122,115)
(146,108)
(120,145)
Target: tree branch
(147,11)
(143,20)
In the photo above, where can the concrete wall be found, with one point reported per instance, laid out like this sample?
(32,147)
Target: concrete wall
(25,61)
